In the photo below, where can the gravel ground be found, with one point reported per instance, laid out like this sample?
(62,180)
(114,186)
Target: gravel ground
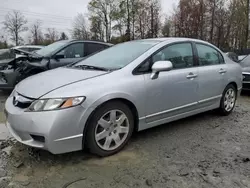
(206,150)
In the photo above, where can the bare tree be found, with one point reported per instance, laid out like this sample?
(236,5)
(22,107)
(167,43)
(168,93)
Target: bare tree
(51,35)
(36,32)
(104,10)
(14,24)
(80,30)
(96,28)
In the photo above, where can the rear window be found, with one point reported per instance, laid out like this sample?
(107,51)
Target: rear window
(94,47)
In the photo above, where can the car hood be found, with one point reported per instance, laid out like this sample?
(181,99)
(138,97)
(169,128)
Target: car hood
(43,83)
(22,52)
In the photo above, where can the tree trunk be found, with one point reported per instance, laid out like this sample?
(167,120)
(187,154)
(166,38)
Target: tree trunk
(128,23)
(106,28)
(152,21)
(247,25)
(202,18)
(16,38)
(133,20)
(212,21)
(140,26)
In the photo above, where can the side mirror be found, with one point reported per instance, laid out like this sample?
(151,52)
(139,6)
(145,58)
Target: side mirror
(160,66)
(58,57)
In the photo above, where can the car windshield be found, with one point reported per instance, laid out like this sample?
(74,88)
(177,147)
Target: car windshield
(119,55)
(51,48)
(245,62)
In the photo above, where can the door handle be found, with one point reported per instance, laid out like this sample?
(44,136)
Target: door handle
(191,75)
(222,71)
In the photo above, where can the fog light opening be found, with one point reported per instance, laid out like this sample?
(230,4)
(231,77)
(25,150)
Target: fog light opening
(38,138)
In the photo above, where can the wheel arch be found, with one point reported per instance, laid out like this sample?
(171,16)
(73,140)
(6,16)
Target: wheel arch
(124,100)
(235,85)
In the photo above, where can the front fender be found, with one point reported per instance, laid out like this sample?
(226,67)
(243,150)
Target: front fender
(89,110)
(91,106)
(111,96)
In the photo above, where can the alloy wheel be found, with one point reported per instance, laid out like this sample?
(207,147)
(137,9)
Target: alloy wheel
(229,99)
(112,130)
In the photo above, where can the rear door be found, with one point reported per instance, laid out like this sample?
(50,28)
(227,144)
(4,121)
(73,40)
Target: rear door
(67,55)
(212,74)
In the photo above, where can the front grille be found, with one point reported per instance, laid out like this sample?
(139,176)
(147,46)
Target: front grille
(21,104)
(246,77)
(21,101)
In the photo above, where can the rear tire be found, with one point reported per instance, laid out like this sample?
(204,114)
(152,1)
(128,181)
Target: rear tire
(109,128)
(228,100)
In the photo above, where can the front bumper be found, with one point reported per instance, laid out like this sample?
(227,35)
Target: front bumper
(60,129)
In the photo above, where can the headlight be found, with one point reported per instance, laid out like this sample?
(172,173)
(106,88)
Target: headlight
(54,104)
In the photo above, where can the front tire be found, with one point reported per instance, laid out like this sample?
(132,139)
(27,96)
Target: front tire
(109,128)
(228,100)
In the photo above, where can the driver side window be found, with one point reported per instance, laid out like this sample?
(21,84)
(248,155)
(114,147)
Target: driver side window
(72,51)
(181,55)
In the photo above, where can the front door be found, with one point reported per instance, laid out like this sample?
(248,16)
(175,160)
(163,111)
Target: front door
(176,91)
(69,54)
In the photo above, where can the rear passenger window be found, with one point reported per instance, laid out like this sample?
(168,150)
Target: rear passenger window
(181,55)
(208,55)
(94,47)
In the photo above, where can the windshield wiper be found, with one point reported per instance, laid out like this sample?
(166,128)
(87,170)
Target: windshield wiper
(90,67)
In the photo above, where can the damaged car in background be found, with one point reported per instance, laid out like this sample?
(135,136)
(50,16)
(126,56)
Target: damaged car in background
(9,60)
(55,55)
(245,64)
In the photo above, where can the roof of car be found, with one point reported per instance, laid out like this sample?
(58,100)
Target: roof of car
(92,41)
(28,46)
(176,39)
(173,39)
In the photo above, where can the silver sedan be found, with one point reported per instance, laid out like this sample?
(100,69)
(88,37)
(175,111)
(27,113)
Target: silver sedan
(99,102)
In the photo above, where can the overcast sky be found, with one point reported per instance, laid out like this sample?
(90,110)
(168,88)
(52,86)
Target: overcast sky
(56,13)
